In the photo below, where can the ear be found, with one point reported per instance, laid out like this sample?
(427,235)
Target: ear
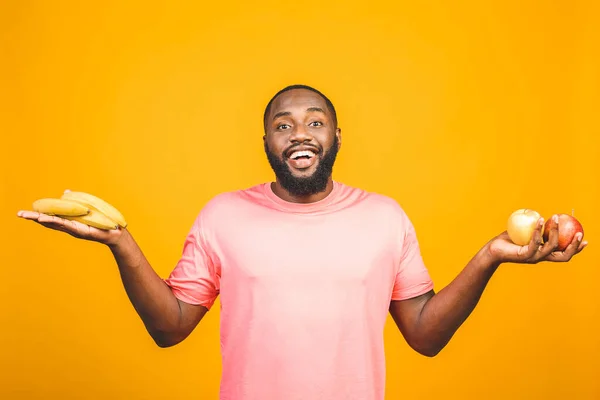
(338,133)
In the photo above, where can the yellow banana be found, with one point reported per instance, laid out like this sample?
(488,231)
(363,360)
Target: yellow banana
(96,204)
(60,207)
(95,219)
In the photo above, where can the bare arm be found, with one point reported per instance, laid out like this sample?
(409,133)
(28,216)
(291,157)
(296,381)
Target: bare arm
(428,322)
(167,319)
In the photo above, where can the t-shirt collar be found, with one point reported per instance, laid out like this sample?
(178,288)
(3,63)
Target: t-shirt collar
(302,208)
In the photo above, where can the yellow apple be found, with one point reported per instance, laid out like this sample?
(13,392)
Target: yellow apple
(521,225)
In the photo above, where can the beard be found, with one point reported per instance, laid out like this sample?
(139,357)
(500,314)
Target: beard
(309,185)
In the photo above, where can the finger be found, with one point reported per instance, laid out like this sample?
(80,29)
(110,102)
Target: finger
(66,225)
(552,243)
(53,219)
(34,215)
(40,217)
(53,225)
(44,219)
(530,251)
(48,221)
(576,245)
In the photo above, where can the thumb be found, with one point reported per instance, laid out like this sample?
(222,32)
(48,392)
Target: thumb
(528,251)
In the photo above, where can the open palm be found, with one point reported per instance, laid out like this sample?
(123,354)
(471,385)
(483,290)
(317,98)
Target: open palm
(73,228)
(504,250)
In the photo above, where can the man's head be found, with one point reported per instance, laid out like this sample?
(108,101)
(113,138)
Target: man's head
(301,139)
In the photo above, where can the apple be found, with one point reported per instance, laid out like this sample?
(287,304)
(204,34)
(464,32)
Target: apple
(568,226)
(521,225)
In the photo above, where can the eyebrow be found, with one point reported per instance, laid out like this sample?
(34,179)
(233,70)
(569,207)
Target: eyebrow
(309,109)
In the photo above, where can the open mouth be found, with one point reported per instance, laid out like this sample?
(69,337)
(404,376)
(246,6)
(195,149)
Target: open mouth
(302,159)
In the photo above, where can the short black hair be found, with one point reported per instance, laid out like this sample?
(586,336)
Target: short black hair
(291,87)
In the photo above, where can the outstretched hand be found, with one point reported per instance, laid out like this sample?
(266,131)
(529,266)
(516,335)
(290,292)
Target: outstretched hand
(73,228)
(503,250)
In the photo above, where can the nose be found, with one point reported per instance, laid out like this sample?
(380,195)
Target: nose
(300,134)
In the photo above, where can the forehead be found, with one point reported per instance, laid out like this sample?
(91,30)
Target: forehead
(297,98)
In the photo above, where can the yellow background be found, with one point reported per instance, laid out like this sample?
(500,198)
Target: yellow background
(462,111)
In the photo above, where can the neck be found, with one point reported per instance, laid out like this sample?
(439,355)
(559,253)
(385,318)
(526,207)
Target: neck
(312,198)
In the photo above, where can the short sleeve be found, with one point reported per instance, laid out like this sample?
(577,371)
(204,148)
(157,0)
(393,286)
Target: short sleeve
(412,278)
(194,279)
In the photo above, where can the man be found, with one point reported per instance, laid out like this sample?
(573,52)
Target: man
(307,269)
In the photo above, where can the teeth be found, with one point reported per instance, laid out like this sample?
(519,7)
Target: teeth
(302,153)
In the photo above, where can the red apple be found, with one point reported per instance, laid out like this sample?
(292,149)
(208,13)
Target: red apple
(568,226)
(521,225)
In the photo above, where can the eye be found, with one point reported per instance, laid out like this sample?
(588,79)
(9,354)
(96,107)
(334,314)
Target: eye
(316,123)
(283,126)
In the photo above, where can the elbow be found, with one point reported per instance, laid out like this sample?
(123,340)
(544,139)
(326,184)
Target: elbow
(429,352)
(165,340)
(163,344)
(428,349)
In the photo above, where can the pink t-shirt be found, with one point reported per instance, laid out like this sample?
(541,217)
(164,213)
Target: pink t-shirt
(304,289)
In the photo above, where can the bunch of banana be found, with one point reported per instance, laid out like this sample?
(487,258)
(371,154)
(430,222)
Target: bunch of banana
(84,208)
